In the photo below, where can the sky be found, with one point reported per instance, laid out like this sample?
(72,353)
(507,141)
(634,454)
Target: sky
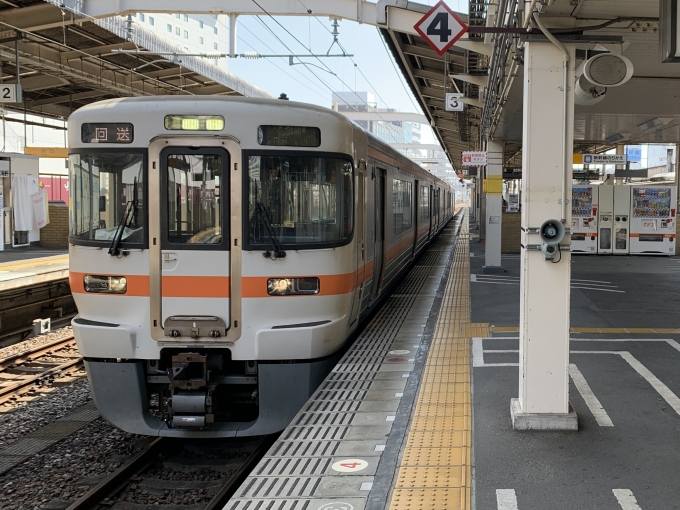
(371,69)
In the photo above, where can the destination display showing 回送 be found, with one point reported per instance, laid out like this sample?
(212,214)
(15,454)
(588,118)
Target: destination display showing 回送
(121,132)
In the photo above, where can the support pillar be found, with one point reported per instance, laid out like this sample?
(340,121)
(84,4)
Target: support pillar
(494,208)
(543,402)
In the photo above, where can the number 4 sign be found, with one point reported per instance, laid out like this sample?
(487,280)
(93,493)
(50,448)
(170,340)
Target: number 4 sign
(441,27)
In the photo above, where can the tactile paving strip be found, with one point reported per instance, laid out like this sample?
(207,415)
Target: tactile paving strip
(435,469)
(349,418)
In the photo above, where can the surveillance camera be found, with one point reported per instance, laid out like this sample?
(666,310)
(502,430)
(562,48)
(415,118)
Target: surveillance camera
(552,232)
(595,75)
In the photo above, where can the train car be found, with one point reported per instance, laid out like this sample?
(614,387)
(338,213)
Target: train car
(224,250)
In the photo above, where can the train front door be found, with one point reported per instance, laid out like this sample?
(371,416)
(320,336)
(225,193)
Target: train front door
(195,242)
(379,232)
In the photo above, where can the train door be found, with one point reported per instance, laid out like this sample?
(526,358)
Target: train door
(430,211)
(359,236)
(416,211)
(379,240)
(195,240)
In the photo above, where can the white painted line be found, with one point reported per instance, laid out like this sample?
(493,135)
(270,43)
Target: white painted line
(495,282)
(660,387)
(675,345)
(592,402)
(623,340)
(598,289)
(473,278)
(411,360)
(404,375)
(589,281)
(399,395)
(390,418)
(506,499)
(379,448)
(626,499)
(366,486)
(477,352)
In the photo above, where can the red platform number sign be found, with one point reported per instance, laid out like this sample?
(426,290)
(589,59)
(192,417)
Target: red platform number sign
(441,27)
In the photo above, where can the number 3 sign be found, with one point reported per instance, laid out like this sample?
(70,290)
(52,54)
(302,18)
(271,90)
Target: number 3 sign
(441,28)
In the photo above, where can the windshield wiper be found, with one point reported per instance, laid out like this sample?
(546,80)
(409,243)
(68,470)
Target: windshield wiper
(278,252)
(128,215)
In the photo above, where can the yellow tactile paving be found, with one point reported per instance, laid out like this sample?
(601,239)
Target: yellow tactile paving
(598,331)
(435,470)
(8,266)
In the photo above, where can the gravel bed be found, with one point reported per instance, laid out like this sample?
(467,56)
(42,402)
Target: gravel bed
(29,416)
(55,474)
(36,341)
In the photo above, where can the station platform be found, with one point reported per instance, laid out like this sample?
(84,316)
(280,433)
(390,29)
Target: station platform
(417,413)
(18,270)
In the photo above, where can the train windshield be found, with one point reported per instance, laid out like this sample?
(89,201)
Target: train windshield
(301,200)
(107,192)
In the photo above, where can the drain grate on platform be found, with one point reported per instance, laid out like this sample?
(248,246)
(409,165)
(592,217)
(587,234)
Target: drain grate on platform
(293,467)
(270,504)
(315,433)
(325,406)
(322,419)
(341,395)
(304,449)
(283,487)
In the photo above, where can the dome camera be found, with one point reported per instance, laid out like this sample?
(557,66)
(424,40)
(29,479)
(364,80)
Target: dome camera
(552,232)
(595,75)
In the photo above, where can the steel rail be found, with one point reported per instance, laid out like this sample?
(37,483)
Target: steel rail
(36,351)
(120,477)
(7,392)
(229,489)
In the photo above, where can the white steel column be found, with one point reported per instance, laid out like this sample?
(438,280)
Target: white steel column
(494,208)
(547,148)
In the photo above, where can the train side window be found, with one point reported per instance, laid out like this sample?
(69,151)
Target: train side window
(424,203)
(401,205)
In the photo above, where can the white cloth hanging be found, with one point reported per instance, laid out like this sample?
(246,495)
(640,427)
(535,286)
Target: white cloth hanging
(40,208)
(23,186)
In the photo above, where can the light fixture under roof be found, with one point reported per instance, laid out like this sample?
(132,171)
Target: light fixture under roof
(615,138)
(650,124)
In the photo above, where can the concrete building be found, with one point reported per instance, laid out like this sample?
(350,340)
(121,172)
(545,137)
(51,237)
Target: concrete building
(195,33)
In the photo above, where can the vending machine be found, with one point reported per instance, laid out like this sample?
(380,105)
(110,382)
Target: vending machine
(605,220)
(621,224)
(584,219)
(652,220)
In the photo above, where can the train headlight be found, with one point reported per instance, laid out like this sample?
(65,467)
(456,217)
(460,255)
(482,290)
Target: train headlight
(292,286)
(194,122)
(105,284)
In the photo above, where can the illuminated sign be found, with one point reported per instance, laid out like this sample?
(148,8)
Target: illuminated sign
(121,132)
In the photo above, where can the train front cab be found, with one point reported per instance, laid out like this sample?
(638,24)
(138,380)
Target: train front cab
(223,360)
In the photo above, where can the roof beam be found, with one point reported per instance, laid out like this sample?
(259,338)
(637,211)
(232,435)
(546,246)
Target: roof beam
(96,51)
(65,99)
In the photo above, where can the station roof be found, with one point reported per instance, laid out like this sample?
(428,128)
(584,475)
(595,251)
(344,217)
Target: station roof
(67,61)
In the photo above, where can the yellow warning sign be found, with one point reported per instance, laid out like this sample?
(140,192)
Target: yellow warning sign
(47,152)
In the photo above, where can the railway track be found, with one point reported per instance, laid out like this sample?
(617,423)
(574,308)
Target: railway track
(24,372)
(167,471)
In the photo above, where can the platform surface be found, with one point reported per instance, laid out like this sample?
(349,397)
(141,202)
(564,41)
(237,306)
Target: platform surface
(18,273)
(417,414)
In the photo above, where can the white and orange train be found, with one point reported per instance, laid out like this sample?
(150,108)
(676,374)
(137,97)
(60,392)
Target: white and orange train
(223,251)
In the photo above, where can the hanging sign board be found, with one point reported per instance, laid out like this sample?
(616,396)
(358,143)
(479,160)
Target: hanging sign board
(604,159)
(474,158)
(441,28)
(452,102)
(10,93)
